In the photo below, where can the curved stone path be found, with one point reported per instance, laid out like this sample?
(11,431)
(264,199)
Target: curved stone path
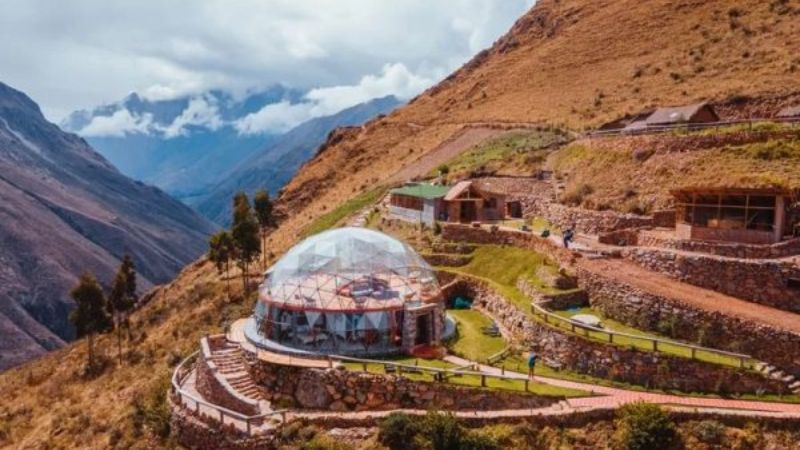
(613,397)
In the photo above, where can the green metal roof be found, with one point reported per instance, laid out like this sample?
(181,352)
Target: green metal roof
(427,191)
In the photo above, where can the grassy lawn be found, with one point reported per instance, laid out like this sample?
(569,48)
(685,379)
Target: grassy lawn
(467,379)
(345,210)
(470,342)
(518,150)
(504,265)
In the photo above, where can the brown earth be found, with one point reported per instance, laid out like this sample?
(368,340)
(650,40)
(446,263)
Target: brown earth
(707,300)
(575,62)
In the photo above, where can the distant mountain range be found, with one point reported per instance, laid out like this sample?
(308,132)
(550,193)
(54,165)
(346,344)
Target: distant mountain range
(275,165)
(196,149)
(65,209)
(181,145)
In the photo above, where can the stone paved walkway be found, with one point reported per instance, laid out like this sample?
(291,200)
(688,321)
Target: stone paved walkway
(613,397)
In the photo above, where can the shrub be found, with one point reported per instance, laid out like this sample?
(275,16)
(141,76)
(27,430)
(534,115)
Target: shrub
(151,412)
(397,431)
(442,431)
(437,228)
(324,442)
(477,441)
(444,169)
(643,426)
(709,432)
(577,194)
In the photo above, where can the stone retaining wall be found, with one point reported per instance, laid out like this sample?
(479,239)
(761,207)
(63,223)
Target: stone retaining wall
(338,389)
(575,298)
(591,221)
(212,387)
(628,236)
(650,369)
(671,317)
(530,241)
(447,259)
(750,251)
(758,280)
(195,431)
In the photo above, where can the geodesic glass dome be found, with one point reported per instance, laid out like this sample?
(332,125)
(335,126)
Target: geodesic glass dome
(348,285)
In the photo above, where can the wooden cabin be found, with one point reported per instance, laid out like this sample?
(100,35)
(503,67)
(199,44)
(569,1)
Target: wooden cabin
(466,203)
(748,216)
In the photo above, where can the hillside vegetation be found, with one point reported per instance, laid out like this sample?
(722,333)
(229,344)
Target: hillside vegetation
(573,62)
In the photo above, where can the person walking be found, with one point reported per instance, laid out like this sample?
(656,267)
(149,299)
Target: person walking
(569,234)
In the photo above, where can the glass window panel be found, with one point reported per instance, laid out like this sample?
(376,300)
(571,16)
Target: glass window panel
(734,200)
(732,218)
(760,219)
(762,201)
(705,199)
(706,216)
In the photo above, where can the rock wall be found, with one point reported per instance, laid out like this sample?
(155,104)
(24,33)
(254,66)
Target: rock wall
(627,236)
(338,389)
(758,280)
(447,259)
(750,251)
(651,369)
(194,431)
(648,311)
(465,233)
(575,298)
(587,220)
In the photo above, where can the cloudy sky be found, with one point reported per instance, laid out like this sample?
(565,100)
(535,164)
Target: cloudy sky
(73,54)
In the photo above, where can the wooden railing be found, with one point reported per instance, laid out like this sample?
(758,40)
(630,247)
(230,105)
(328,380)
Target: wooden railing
(437,373)
(499,356)
(183,398)
(654,343)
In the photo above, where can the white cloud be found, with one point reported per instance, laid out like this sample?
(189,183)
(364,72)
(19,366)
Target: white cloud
(201,112)
(76,54)
(119,124)
(394,79)
(274,118)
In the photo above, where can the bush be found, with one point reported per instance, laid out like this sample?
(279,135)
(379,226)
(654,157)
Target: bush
(709,432)
(577,194)
(324,442)
(437,228)
(397,431)
(442,431)
(151,412)
(444,169)
(477,441)
(643,426)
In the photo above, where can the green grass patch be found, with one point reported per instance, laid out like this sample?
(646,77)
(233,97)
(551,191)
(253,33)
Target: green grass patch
(345,210)
(504,265)
(470,342)
(519,148)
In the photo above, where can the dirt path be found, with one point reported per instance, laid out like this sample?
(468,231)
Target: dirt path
(461,141)
(705,299)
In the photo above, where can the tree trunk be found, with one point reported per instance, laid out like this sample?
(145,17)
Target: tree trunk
(119,338)
(263,249)
(244,278)
(90,352)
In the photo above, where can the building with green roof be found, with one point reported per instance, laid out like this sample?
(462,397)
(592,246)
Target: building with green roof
(417,202)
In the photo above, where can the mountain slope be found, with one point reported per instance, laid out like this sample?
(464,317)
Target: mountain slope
(551,66)
(180,145)
(64,210)
(275,165)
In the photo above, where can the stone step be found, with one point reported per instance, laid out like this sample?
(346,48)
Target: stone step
(795,385)
(788,379)
(777,375)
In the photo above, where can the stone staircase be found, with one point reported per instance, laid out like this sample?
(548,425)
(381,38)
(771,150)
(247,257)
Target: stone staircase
(774,373)
(231,366)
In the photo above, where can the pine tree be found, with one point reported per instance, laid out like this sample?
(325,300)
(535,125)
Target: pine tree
(245,235)
(220,252)
(123,298)
(263,207)
(90,315)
